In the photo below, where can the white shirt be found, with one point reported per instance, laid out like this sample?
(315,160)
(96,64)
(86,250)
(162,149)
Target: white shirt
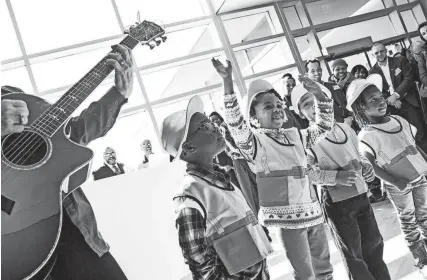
(387,75)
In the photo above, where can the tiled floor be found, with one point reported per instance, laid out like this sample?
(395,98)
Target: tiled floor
(396,254)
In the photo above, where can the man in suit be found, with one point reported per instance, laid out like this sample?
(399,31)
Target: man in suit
(81,252)
(341,114)
(399,90)
(111,167)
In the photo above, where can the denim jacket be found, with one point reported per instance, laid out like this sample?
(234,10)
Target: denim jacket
(94,122)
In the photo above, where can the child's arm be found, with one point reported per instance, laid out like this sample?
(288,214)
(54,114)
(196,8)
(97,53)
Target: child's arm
(241,132)
(315,133)
(401,184)
(198,254)
(328,177)
(317,176)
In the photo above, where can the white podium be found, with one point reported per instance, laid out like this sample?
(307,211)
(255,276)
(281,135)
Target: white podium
(135,215)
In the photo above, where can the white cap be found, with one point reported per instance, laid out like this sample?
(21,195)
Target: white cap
(256,87)
(357,86)
(174,128)
(299,91)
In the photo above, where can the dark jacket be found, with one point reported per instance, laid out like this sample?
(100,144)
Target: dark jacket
(403,81)
(340,101)
(105,172)
(94,122)
(420,54)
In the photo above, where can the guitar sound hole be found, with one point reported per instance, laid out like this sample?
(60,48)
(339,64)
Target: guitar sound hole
(24,149)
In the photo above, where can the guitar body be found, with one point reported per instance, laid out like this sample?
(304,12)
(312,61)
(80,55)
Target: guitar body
(33,170)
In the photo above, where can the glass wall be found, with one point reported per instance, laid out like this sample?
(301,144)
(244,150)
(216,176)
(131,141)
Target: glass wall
(46,55)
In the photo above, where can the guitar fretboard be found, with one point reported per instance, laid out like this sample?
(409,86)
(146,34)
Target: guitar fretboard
(53,118)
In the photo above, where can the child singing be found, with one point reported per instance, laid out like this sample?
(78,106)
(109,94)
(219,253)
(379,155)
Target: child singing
(286,197)
(388,142)
(345,202)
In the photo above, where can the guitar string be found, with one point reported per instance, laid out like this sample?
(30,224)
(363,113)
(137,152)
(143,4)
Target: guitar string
(100,64)
(25,147)
(38,143)
(66,101)
(44,125)
(40,128)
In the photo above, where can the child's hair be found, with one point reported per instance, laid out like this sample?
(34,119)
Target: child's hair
(257,98)
(359,112)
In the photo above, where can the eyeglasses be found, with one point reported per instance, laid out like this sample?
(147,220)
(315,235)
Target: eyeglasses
(206,126)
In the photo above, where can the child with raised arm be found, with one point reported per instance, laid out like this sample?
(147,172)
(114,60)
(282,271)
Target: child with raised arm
(286,197)
(344,200)
(388,142)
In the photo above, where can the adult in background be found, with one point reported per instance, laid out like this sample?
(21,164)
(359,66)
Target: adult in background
(400,91)
(81,253)
(295,119)
(341,114)
(340,75)
(146,148)
(359,72)
(420,55)
(288,84)
(111,167)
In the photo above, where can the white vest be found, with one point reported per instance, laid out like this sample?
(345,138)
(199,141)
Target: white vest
(287,198)
(331,155)
(231,226)
(395,152)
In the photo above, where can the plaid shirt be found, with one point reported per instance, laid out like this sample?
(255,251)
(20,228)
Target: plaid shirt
(201,257)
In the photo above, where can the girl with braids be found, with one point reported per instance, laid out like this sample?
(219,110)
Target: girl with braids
(388,142)
(287,199)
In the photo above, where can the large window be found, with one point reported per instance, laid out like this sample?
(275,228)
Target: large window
(329,10)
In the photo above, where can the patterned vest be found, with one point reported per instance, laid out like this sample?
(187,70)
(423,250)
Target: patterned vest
(287,198)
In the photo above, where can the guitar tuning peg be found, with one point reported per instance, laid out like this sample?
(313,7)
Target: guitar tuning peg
(158,42)
(151,46)
(164,38)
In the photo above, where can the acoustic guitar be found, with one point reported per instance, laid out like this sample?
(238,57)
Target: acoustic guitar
(36,162)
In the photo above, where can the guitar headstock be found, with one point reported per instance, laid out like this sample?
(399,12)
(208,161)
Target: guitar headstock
(147,32)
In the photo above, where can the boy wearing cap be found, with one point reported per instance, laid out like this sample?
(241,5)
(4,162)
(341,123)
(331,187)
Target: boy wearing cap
(388,142)
(287,199)
(219,234)
(340,75)
(344,199)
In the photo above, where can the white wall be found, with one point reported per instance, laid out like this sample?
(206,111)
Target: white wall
(135,216)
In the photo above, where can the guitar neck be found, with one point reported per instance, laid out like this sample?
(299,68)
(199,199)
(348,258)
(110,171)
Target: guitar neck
(57,114)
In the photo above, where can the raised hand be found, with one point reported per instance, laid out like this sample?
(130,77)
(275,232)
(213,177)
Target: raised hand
(122,62)
(226,72)
(310,85)
(346,178)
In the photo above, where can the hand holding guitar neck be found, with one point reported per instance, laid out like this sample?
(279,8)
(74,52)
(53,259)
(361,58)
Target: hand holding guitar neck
(121,60)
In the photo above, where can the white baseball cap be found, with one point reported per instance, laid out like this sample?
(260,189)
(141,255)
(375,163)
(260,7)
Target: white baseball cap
(256,87)
(299,91)
(357,86)
(174,128)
